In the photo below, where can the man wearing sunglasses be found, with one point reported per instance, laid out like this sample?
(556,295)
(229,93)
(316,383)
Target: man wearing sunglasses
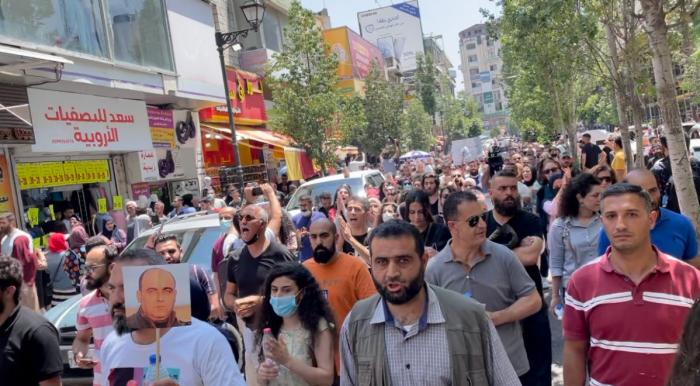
(487,272)
(525,238)
(203,293)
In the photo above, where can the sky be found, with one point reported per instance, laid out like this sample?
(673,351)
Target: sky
(438,17)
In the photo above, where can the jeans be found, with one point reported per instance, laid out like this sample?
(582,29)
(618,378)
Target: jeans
(538,345)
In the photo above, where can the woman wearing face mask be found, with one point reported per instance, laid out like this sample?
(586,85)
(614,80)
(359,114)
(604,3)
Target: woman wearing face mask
(390,211)
(115,235)
(300,351)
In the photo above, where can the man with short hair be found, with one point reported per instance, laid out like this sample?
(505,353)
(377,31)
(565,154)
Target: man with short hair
(488,272)
(233,196)
(156,297)
(413,333)
(590,153)
(159,215)
(302,222)
(625,311)
(30,351)
(431,187)
(520,231)
(344,279)
(197,353)
(18,244)
(203,293)
(68,212)
(93,319)
(247,269)
(354,232)
(673,233)
(325,202)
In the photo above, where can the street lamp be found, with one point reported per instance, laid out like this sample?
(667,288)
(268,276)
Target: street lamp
(253,11)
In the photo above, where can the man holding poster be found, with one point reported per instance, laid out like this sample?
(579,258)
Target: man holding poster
(195,354)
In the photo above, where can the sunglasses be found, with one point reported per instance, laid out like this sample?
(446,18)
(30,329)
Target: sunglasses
(474,220)
(248,218)
(549,171)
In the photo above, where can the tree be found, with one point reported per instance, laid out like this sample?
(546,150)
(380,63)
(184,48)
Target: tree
(417,125)
(382,107)
(654,15)
(303,80)
(460,116)
(427,83)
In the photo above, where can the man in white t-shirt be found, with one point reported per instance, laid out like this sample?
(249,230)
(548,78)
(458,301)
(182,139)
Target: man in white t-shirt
(191,355)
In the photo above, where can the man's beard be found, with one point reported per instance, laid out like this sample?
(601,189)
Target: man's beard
(96,283)
(323,255)
(507,209)
(408,293)
(119,321)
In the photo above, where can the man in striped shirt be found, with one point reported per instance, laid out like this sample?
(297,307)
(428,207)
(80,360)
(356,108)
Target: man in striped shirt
(94,318)
(625,311)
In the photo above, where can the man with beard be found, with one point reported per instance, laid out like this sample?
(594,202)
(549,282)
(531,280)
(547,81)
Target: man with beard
(247,269)
(302,222)
(413,333)
(344,278)
(473,172)
(30,352)
(672,233)
(93,318)
(519,230)
(203,294)
(487,272)
(431,187)
(197,353)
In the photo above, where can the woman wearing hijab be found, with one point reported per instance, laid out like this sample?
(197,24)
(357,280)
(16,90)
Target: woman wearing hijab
(78,234)
(63,286)
(116,236)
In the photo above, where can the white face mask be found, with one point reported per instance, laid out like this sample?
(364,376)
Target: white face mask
(386,216)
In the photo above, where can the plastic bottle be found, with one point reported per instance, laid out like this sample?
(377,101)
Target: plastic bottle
(267,336)
(559,311)
(150,375)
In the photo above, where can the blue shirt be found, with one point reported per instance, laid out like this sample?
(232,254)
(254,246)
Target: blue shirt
(300,221)
(673,234)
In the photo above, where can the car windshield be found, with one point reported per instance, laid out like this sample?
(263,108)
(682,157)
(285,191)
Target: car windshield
(314,190)
(64,314)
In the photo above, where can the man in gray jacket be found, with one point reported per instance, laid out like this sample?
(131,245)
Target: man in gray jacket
(412,333)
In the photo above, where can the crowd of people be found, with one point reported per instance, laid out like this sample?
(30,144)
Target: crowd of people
(436,277)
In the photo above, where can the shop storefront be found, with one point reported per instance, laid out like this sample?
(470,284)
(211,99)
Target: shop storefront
(171,168)
(262,152)
(72,164)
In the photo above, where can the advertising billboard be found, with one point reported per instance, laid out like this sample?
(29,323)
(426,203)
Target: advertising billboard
(355,55)
(396,30)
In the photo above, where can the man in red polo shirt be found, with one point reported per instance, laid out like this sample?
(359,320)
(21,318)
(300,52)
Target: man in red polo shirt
(625,311)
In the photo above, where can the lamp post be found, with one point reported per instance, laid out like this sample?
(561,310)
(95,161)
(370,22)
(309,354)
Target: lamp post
(253,11)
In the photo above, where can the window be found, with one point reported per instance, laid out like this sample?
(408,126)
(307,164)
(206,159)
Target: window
(475,85)
(139,32)
(75,25)
(493,67)
(472,58)
(272,31)
(473,72)
(471,46)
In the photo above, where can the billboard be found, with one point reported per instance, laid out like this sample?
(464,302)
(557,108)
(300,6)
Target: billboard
(355,55)
(396,31)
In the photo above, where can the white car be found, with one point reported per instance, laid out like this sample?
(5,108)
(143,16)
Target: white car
(695,148)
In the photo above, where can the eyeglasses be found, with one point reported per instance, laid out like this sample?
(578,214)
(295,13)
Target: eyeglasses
(549,171)
(474,220)
(92,268)
(249,218)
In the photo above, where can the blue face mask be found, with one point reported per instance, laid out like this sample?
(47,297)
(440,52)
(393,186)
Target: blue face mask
(284,305)
(224,225)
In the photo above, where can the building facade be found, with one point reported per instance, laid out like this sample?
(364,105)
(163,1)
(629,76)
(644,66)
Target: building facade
(481,67)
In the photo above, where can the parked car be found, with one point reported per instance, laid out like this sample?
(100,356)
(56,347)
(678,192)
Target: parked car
(695,148)
(692,129)
(196,233)
(314,188)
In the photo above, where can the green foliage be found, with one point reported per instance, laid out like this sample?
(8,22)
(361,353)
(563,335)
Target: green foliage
(460,116)
(427,83)
(417,133)
(381,109)
(308,107)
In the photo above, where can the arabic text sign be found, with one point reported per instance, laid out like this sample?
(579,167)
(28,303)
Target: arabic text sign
(47,174)
(396,30)
(75,122)
(162,127)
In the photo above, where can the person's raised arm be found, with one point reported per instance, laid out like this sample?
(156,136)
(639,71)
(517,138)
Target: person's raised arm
(275,222)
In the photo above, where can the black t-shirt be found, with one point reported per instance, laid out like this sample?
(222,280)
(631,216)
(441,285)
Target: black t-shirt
(249,273)
(436,236)
(592,153)
(524,224)
(434,209)
(362,239)
(200,286)
(30,349)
